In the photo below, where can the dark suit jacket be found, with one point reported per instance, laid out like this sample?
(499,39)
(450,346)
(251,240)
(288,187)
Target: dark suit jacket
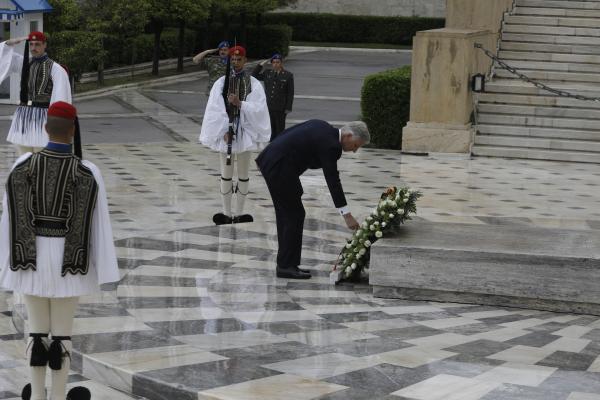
(312,144)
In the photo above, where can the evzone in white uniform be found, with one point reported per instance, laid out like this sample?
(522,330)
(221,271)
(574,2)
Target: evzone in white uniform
(46,83)
(56,244)
(252,133)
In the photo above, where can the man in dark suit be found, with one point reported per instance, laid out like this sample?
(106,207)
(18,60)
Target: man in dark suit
(314,144)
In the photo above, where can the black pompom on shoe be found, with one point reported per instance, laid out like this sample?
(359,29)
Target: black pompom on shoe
(79,393)
(222,219)
(26,393)
(240,219)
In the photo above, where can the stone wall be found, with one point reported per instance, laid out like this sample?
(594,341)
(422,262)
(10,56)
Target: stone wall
(421,8)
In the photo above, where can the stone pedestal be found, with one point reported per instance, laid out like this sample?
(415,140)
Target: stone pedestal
(518,266)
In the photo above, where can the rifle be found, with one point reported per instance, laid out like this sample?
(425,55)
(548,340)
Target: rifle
(231,111)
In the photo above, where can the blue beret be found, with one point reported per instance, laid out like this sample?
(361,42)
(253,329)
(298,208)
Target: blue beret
(276,56)
(224,43)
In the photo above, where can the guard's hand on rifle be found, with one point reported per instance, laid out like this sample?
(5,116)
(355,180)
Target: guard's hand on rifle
(235,100)
(226,137)
(351,223)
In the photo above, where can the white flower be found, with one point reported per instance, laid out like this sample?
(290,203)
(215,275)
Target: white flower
(382,213)
(362,251)
(372,227)
(367,243)
(348,270)
(353,266)
(390,203)
(392,215)
(365,225)
(348,245)
(406,199)
(369,219)
(358,256)
(374,212)
(378,234)
(381,203)
(353,242)
(383,224)
(400,211)
(362,240)
(356,249)
(376,223)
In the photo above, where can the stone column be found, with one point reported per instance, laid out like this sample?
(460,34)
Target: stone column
(444,60)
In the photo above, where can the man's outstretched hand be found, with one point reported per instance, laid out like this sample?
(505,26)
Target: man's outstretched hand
(351,223)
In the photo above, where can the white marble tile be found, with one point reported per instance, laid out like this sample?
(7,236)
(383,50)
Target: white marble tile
(444,323)
(573,331)
(154,270)
(211,255)
(321,366)
(398,310)
(322,294)
(522,354)
(517,374)
(487,314)
(583,396)
(410,357)
(525,323)
(231,340)
(447,387)
(192,238)
(569,344)
(379,325)
(595,367)
(255,297)
(501,335)
(441,341)
(6,326)
(289,387)
(160,291)
(178,314)
(338,308)
(328,337)
(139,254)
(100,392)
(275,316)
(86,326)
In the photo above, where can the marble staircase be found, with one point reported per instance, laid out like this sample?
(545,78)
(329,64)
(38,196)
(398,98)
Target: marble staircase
(556,43)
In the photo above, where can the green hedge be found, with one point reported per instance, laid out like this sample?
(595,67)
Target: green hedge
(272,38)
(385,105)
(313,27)
(79,51)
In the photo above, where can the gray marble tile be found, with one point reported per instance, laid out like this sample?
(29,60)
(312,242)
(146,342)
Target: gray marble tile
(166,302)
(413,332)
(144,280)
(280,328)
(197,327)
(357,316)
(535,339)
(183,262)
(103,342)
(568,361)
(479,348)
(366,347)
(516,392)
(268,354)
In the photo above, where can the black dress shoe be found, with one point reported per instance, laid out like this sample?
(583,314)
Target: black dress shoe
(306,271)
(222,219)
(79,393)
(292,274)
(240,219)
(26,393)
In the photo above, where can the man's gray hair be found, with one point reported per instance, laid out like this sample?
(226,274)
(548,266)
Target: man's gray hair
(358,129)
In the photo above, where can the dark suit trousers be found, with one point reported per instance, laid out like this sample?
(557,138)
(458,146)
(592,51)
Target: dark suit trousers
(286,192)
(277,122)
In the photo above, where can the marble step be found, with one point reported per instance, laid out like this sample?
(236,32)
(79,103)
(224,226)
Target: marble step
(538,143)
(550,48)
(527,131)
(538,21)
(540,111)
(509,265)
(555,58)
(515,86)
(566,4)
(552,155)
(550,39)
(536,100)
(540,122)
(551,30)
(556,12)
(554,66)
(550,76)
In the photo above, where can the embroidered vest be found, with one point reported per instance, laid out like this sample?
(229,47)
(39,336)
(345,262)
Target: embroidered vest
(54,195)
(40,81)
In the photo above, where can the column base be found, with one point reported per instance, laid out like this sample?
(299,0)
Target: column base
(437,138)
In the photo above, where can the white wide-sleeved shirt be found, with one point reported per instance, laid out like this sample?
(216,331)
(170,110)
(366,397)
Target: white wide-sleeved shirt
(254,130)
(23,130)
(47,281)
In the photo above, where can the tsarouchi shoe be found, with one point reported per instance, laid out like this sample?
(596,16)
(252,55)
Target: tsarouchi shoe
(26,392)
(240,219)
(222,219)
(79,393)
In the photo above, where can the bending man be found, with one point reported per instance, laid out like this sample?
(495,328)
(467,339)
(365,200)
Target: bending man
(314,144)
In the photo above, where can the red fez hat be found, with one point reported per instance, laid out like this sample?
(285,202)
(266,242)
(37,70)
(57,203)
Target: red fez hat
(237,51)
(36,37)
(60,109)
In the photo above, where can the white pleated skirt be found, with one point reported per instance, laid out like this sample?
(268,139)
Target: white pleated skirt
(47,280)
(27,127)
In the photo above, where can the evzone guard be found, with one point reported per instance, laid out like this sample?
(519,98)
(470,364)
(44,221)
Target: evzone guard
(236,123)
(43,82)
(56,244)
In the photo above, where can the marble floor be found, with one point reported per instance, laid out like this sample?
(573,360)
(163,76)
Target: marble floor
(198,313)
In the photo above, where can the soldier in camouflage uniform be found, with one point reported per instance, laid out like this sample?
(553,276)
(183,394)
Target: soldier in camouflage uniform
(216,65)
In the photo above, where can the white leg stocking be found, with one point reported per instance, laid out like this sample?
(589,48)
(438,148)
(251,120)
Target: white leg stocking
(62,311)
(226,184)
(38,311)
(243,165)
